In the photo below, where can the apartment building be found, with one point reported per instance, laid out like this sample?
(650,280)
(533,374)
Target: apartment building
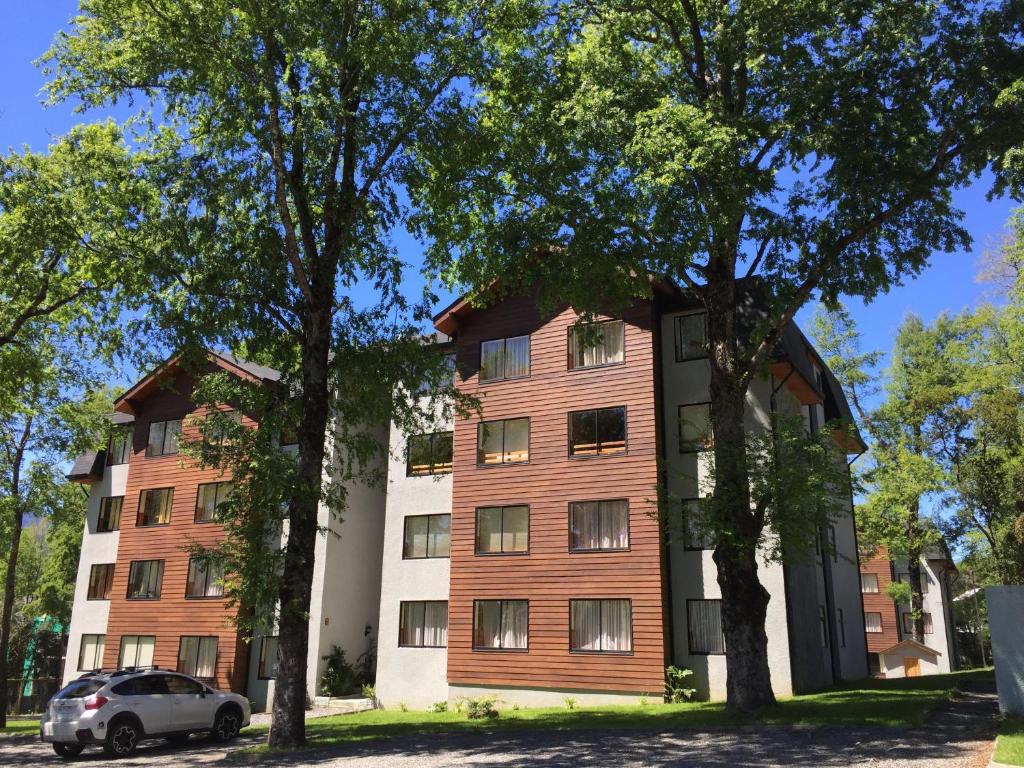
(519,552)
(892,651)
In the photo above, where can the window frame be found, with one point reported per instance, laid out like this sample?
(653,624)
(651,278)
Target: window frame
(689,627)
(601,601)
(119,433)
(529,439)
(876,590)
(598,453)
(686,449)
(100,645)
(109,580)
(140,511)
(120,651)
(423,604)
(571,346)
(491,649)
(428,556)
(881,624)
(105,503)
(687,539)
(160,580)
(199,648)
(433,465)
(217,500)
(209,573)
(476,531)
(907,618)
(584,550)
(676,336)
(261,667)
(504,358)
(163,439)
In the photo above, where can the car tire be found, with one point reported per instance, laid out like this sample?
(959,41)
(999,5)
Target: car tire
(68,751)
(177,739)
(122,738)
(227,723)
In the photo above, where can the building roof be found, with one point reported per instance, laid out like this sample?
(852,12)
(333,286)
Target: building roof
(910,643)
(88,467)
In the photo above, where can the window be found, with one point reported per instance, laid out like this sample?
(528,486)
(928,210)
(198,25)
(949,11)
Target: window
(209,497)
(163,438)
(691,336)
(136,651)
(427,536)
(150,685)
(197,656)
(869,584)
(109,517)
(502,530)
(597,344)
(101,577)
(155,506)
(908,623)
(841,625)
(423,624)
(205,578)
(503,442)
(695,427)
(505,358)
(430,454)
(833,549)
(872,622)
(601,626)
(218,433)
(904,578)
(500,625)
(595,525)
(695,535)
(704,624)
(596,432)
(823,626)
(119,448)
(90,652)
(177,684)
(144,579)
(268,658)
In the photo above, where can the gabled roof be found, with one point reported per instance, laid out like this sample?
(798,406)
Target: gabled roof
(245,369)
(910,643)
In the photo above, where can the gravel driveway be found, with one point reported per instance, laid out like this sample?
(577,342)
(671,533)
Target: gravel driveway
(958,736)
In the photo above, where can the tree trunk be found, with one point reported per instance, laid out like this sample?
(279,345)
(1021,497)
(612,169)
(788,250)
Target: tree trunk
(10,579)
(744,599)
(914,555)
(288,727)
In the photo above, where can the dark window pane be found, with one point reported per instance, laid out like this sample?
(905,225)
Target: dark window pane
(611,430)
(583,433)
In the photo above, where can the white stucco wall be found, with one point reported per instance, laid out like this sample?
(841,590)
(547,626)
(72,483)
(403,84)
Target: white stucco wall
(89,617)
(1005,609)
(892,664)
(416,677)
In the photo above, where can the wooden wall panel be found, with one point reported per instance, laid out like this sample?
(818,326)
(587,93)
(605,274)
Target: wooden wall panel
(171,616)
(549,576)
(881,603)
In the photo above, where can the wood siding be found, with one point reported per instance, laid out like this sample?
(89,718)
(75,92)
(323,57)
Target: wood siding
(881,603)
(549,575)
(172,615)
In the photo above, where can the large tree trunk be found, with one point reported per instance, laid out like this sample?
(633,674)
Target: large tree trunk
(10,578)
(914,571)
(288,727)
(744,599)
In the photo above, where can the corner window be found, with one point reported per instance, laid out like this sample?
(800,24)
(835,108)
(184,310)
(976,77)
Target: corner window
(695,427)
(101,578)
(197,656)
(145,577)
(872,622)
(696,536)
(822,626)
(155,507)
(597,432)
(119,449)
(501,625)
(908,623)
(163,438)
(90,652)
(427,536)
(869,584)
(268,658)
(429,454)
(691,336)
(506,441)
(904,578)
(597,344)
(598,525)
(704,627)
(205,578)
(505,358)
(423,624)
(136,651)
(209,497)
(109,517)
(502,530)
(601,626)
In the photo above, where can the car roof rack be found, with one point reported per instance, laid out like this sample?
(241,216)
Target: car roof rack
(133,670)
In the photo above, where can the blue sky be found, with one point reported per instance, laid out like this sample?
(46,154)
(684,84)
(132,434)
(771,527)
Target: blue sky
(948,284)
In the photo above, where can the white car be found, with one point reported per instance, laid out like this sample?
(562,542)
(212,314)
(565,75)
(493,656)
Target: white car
(119,709)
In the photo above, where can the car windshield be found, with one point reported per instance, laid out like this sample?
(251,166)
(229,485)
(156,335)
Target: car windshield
(79,689)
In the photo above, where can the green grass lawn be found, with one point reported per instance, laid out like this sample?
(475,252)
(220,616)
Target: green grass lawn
(896,703)
(1010,744)
(21,726)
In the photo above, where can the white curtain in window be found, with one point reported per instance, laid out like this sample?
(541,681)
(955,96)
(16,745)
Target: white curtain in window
(440,538)
(492,360)
(91,654)
(435,621)
(517,357)
(268,661)
(705,620)
(586,625)
(614,524)
(515,532)
(586,525)
(416,536)
(206,661)
(513,624)
(487,624)
(615,625)
(872,622)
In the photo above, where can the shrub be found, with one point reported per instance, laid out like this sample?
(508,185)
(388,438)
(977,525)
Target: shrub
(339,677)
(369,692)
(570,702)
(439,706)
(481,708)
(403,706)
(676,690)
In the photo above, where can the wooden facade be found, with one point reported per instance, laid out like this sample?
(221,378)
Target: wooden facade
(548,575)
(172,615)
(880,603)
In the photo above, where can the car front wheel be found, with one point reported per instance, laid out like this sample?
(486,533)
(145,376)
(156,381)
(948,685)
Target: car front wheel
(68,750)
(122,739)
(227,724)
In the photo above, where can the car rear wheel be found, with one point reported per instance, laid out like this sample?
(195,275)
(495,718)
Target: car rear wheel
(68,750)
(227,723)
(122,738)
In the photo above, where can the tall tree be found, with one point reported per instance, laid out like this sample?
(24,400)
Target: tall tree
(811,144)
(280,136)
